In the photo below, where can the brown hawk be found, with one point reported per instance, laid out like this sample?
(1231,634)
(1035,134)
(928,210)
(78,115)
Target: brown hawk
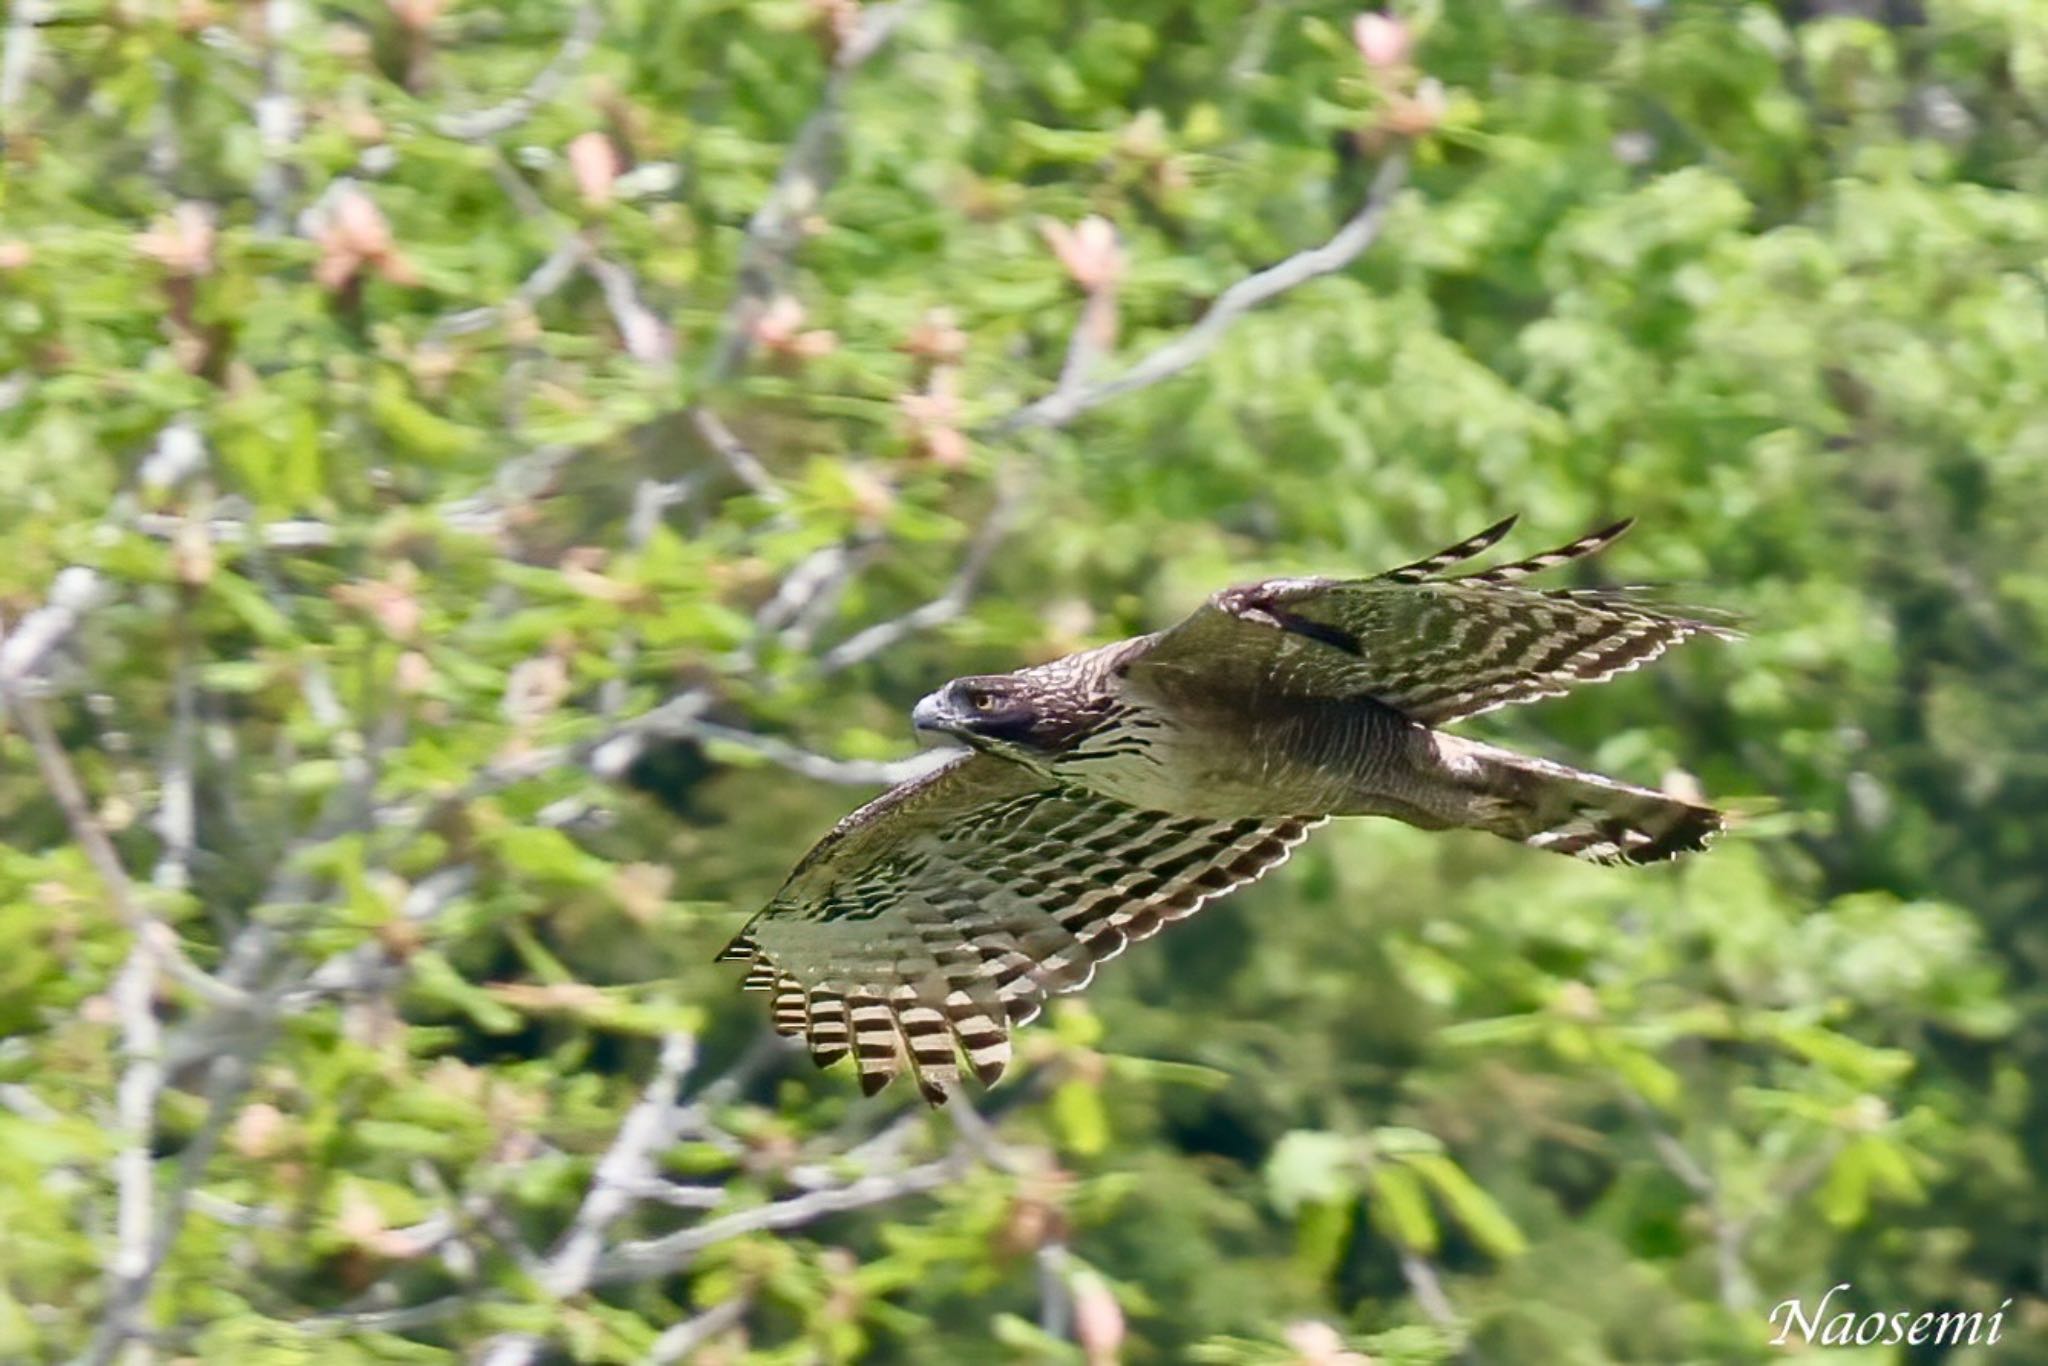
(1114,791)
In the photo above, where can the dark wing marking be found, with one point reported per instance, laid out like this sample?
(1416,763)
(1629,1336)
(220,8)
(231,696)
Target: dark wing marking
(1427,567)
(946,910)
(1592,543)
(1436,649)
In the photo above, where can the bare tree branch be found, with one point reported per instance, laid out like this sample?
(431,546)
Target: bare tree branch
(518,480)
(1073,396)
(1055,1295)
(277,117)
(131,1270)
(74,593)
(647,1129)
(132,1265)
(511,1349)
(651,1257)
(827,592)
(682,716)
(614,1189)
(19,56)
(177,814)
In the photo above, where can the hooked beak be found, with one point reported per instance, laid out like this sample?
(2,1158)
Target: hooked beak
(929,714)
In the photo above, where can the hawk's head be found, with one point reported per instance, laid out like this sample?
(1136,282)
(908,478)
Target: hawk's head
(1004,714)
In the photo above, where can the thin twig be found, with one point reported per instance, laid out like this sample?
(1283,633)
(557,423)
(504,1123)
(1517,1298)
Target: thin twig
(695,1117)
(811,615)
(371,967)
(1737,1291)
(1055,1296)
(1428,1289)
(744,464)
(809,579)
(1071,399)
(511,1349)
(946,606)
(777,224)
(772,235)
(648,339)
(677,1342)
(296,533)
(519,480)
(226,1078)
(69,793)
(652,498)
(230,1038)
(26,1103)
(1093,331)
(677,1195)
(508,114)
(401,1319)
(556,270)
(824,768)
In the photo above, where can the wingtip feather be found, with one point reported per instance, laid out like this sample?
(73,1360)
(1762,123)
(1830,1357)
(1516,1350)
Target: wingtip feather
(742,949)
(1418,570)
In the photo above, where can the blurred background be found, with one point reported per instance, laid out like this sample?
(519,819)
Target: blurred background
(482,485)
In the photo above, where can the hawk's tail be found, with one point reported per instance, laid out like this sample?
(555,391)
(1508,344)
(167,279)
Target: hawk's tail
(1546,805)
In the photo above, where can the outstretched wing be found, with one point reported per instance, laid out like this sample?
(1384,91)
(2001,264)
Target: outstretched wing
(947,909)
(1436,648)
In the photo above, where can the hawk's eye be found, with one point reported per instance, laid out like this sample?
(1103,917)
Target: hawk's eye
(981,699)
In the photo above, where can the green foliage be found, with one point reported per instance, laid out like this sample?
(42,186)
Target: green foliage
(393,534)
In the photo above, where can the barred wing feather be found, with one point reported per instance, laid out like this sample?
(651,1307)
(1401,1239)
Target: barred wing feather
(1439,649)
(940,914)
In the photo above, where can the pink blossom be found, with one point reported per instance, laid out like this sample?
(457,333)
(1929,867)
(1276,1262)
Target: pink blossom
(1384,41)
(594,164)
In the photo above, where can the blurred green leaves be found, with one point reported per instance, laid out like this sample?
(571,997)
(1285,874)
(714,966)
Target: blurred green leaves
(1405,1182)
(1773,283)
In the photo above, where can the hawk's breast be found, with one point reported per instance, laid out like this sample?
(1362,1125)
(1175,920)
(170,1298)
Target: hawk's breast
(1215,753)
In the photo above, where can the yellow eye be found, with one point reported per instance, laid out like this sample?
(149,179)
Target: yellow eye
(981,700)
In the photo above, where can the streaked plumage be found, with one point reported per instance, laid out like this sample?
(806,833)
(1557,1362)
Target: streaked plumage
(1115,790)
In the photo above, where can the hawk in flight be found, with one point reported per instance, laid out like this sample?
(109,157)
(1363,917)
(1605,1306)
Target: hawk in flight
(1115,791)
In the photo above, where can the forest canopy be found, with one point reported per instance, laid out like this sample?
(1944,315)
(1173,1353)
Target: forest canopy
(481,487)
